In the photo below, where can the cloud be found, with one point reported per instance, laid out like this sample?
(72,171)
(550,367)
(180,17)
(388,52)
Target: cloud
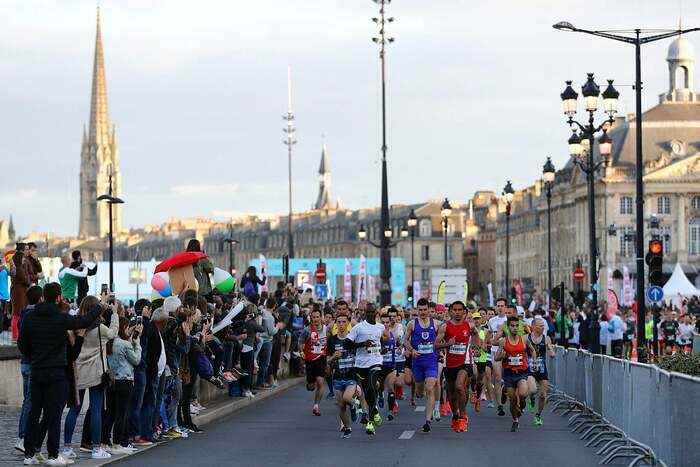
(207,189)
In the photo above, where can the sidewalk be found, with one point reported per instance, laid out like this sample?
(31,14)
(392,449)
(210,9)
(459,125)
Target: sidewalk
(9,419)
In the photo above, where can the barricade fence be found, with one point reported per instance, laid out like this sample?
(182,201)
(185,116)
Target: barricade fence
(640,407)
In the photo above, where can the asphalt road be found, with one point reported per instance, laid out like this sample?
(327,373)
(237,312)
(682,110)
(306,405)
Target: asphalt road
(282,431)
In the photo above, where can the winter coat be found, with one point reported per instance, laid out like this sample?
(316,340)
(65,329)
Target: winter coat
(90,366)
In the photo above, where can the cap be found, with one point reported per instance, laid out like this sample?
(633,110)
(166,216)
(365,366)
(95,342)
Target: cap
(476,314)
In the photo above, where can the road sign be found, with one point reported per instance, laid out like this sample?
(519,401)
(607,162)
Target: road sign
(321,291)
(655,294)
(579,274)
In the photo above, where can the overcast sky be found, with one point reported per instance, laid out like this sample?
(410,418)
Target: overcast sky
(197,91)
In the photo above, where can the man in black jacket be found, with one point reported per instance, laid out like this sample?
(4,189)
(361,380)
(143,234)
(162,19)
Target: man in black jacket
(83,286)
(43,339)
(155,367)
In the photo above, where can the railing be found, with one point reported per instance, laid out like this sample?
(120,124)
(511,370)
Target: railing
(628,409)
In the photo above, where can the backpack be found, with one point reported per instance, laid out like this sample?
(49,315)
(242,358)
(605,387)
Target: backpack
(249,288)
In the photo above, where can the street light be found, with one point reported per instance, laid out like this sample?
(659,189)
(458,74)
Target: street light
(549,173)
(231,242)
(384,249)
(290,141)
(508,195)
(110,201)
(412,222)
(581,150)
(637,40)
(445,212)
(384,241)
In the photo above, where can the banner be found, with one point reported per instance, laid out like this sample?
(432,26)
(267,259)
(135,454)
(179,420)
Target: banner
(440,292)
(626,287)
(613,305)
(372,288)
(466,292)
(489,286)
(416,292)
(362,279)
(347,284)
(518,291)
(263,272)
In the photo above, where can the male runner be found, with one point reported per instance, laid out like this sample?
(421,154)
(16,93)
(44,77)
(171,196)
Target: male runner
(367,341)
(538,368)
(423,332)
(312,343)
(341,358)
(511,351)
(399,329)
(455,335)
(393,362)
(494,324)
(484,365)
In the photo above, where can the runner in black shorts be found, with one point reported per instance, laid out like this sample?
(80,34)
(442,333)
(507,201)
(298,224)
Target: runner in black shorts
(538,368)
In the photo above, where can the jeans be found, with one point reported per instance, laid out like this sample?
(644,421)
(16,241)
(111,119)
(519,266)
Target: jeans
(136,402)
(26,369)
(150,397)
(173,401)
(95,414)
(185,417)
(118,412)
(247,366)
(48,392)
(264,361)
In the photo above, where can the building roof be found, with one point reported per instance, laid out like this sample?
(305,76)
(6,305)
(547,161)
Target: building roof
(681,49)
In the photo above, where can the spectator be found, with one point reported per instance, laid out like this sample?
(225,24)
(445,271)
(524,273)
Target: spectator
(124,354)
(155,368)
(20,284)
(176,337)
(616,331)
(4,289)
(268,323)
(604,334)
(248,351)
(70,279)
(43,340)
(202,269)
(34,269)
(250,282)
(142,309)
(83,286)
(91,366)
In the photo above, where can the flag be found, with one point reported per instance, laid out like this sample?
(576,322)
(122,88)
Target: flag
(518,291)
(440,292)
(466,292)
(362,288)
(613,305)
(489,286)
(347,285)
(371,287)
(416,292)
(263,272)
(626,287)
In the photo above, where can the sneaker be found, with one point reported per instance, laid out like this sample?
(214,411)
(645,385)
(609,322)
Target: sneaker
(296,354)
(141,442)
(501,412)
(426,427)
(347,432)
(19,445)
(41,457)
(31,461)
(395,410)
(330,395)
(389,415)
(286,356)
(477,406)
(316,411)
(538,421)
(116,450)
(436,414)
(195,429)
(531,406)
(443,409)
(369,429)
(194,410)
(69,453)
(448,408)
(483,396)
(200,406)
(490,405)
(85,448)
(130,447)
(228,377)
(172,434)
(248,394)
(274,386)
(239,373)
(377,419)
(463,425)
(514,427)
(455,425)
(100,453)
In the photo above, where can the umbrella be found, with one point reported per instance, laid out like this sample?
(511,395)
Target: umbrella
(179,260)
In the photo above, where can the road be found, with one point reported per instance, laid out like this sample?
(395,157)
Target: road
(282,431)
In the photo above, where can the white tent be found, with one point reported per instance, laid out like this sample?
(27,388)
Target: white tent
(678,284)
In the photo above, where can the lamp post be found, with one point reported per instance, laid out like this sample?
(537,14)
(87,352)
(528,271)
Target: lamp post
(110,201)
(412,222)
(384,254)
(634,37)
(231,242)
(290,141)
(508,195)
(581,145)
(549,174)
(384,242)
(445,213)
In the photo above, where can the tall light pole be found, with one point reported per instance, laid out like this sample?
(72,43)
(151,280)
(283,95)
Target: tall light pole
(634,37)
(231,242)
(110,201)
(412,222)
(290,141)
(581,149)
(445,213)
(385,239)
(384,249)
(508,195)
(548,172)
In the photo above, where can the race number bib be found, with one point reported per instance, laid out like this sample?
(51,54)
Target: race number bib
(515,360)
(458,349)
(425,349)
(374,350)
(345,363)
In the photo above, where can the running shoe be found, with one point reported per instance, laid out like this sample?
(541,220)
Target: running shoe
(377,419)
(59,460)
(448,407)
(443,409)
(316,411)
(463,425)
(490,405)
(363,419)
(501,412)
(42,458)
(369,429)
(380,402)
(141,442)
(531,406)
(353,413)
(347,432)
(389,415)
(100,453)
(514,427)
(477,406)
(538,421)
(436,414)
(172,433)
(455,425)
(395,410)
(69,453)
(19,445)
(426,427)
(31,461)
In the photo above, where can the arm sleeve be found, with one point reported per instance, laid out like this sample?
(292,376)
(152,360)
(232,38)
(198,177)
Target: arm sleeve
(113,329)
(207,266)
(81,322)
(75,273)
(352,335)
(133,355)
(270,327)
(24,341)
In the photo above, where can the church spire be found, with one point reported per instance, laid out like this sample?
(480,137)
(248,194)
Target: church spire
(99,115)
(324,199)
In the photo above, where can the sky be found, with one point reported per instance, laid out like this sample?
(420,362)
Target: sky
(197,91)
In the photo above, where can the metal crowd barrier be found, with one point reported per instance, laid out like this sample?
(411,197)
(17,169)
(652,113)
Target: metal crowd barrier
(627,410)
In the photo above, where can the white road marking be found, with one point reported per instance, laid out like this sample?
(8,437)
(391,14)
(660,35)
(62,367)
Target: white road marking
(408,434)
(420,408)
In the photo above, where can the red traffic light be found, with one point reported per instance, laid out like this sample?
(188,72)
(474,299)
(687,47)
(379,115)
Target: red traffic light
(656,247)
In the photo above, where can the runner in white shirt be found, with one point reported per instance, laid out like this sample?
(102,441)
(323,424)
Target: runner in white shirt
(367,336)
(494,323)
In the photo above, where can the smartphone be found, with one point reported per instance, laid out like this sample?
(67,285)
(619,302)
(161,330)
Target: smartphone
(111,299)
(139,320)
(104,289)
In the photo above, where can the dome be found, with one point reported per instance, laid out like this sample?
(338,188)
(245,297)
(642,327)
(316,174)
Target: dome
(681,49)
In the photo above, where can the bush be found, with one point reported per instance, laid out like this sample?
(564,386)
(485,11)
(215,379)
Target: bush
(682,363)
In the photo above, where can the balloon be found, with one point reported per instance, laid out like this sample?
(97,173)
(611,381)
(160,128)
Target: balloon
(160,281)
(223,281)
(167,291)
(155,295)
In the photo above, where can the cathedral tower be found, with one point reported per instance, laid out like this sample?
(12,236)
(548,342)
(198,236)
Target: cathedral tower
(324,200)
(99,156)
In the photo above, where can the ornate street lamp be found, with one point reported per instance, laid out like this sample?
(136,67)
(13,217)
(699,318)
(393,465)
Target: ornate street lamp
(445,212)
(508,195)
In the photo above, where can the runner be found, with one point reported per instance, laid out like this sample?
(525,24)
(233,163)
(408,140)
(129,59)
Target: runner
(423,331)
(393,362)
(484,366)
(455,335)
(367,341)
(538,368)
(511,351)
(442,407)
(312,343)
(494,324)
(341,358)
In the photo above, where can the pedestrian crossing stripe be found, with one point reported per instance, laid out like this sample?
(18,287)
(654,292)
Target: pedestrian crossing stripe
(408,434)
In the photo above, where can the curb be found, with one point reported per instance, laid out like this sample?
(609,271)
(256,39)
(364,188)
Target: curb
(215,413)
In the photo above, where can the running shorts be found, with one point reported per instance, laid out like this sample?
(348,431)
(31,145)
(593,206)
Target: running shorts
(387,370)
(423,370)
(512,378)
(451,373)
(342,385)
(481,366)
(315,369)
(539,376)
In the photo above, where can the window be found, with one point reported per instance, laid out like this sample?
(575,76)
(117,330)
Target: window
(625,234)
(626,205)
(425,275)
(663,205)
(695,202)
(694,235)
(665,232)
(426,229)
(425,252)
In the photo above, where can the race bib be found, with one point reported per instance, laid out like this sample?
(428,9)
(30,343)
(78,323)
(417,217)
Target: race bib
(388,357)
(425,349)
(374,350)
(345,363)
(458,349)
(515,360)
(317,348)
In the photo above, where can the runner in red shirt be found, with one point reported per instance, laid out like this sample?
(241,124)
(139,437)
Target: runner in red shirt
(312,343)
(455,335)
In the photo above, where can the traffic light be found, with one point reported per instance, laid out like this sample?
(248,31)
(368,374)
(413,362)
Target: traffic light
(409,295)
(655,261)
(513,296)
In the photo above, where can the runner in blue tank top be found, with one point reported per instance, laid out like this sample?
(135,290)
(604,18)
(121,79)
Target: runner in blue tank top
(423,332)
